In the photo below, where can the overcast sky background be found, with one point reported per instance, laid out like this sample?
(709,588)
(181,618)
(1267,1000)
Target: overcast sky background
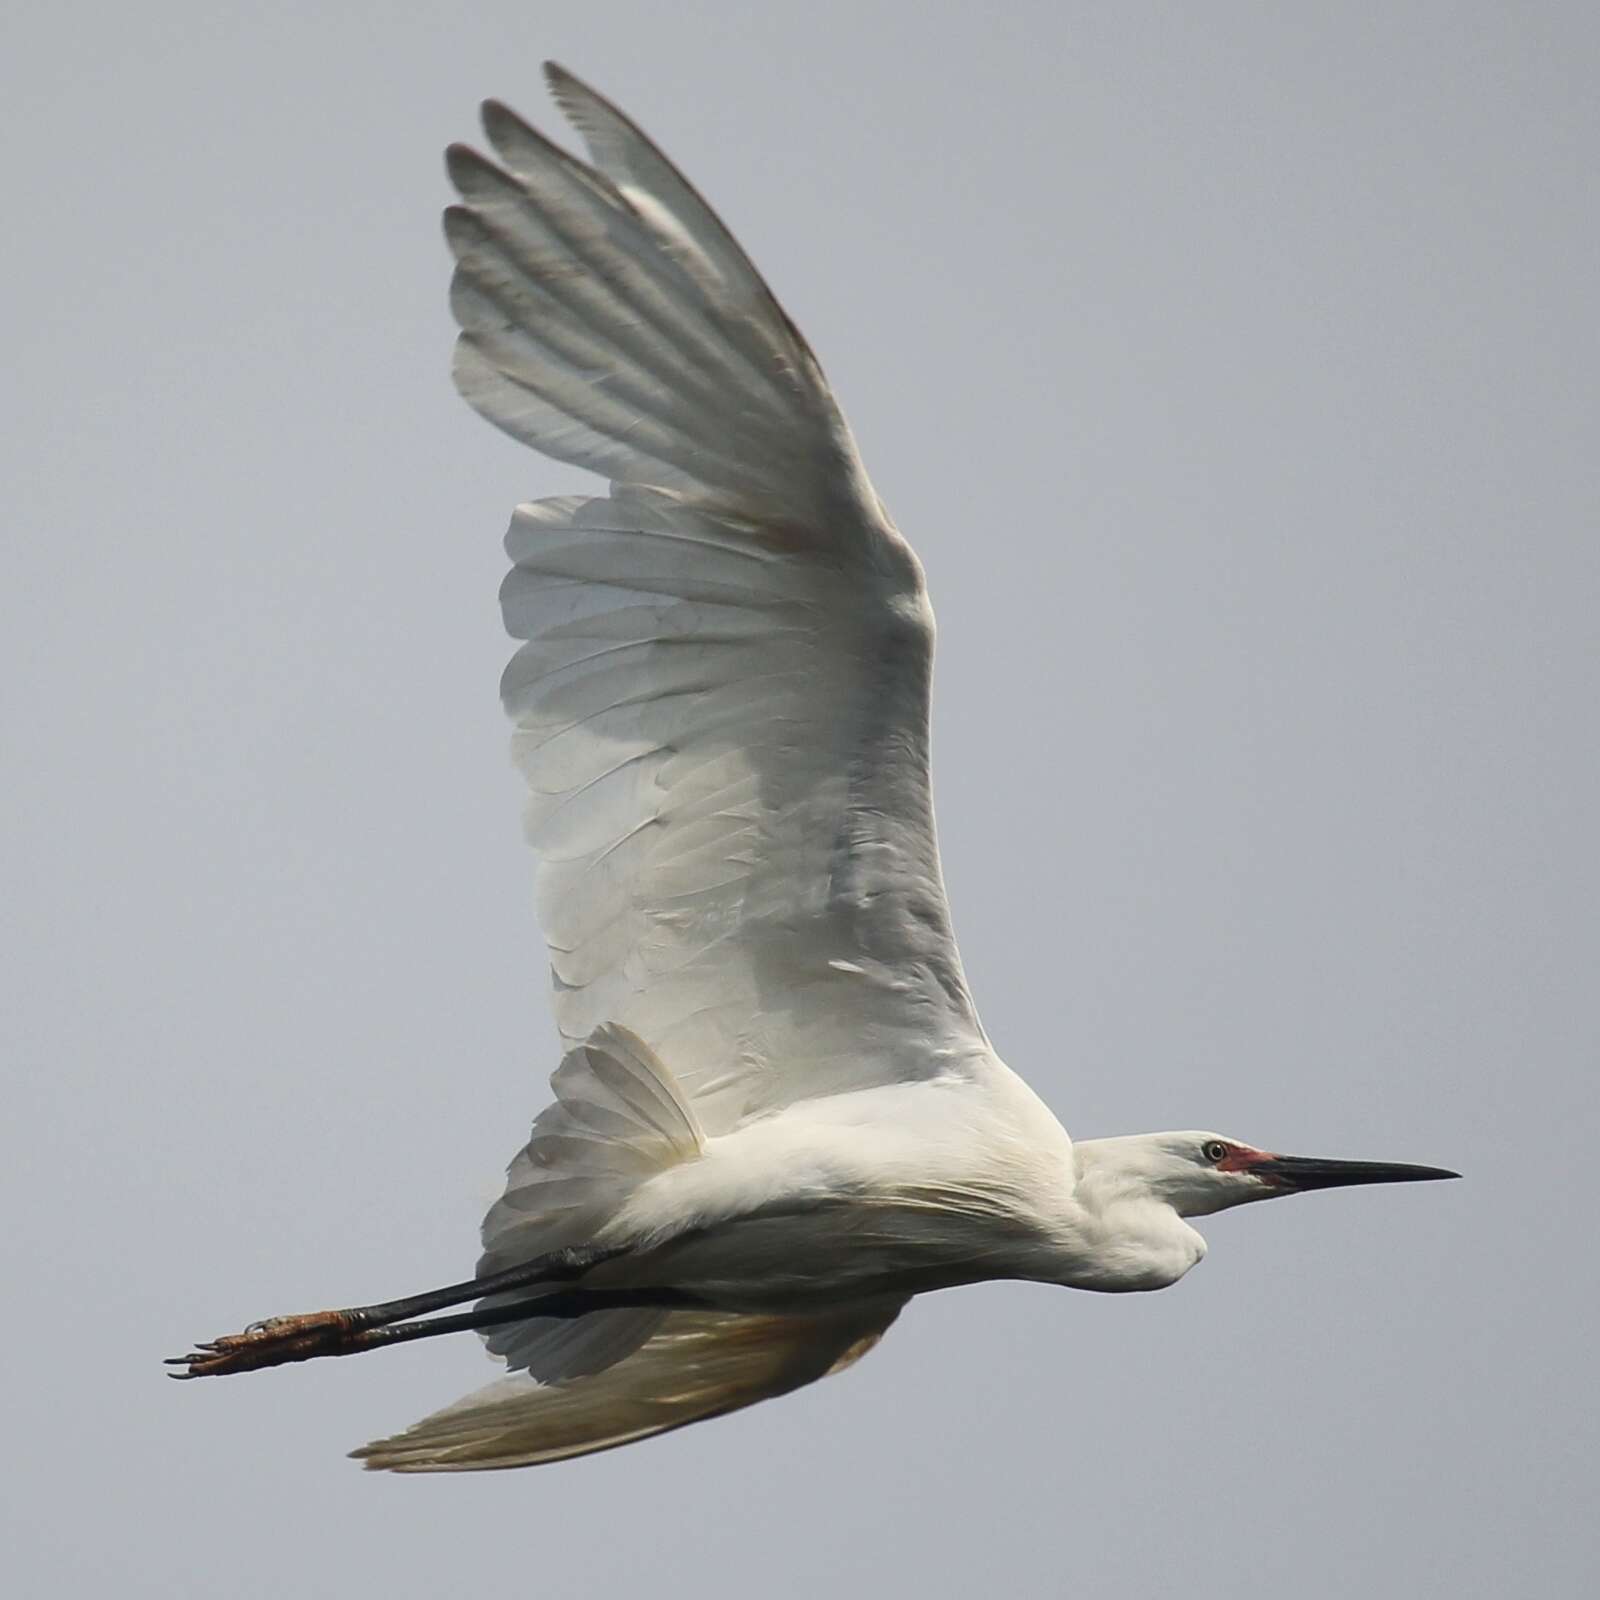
(1233,369)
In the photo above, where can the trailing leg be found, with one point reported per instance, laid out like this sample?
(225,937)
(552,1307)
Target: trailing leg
(278,1340)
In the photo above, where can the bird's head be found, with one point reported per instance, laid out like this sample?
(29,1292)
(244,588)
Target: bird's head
(1197,1173)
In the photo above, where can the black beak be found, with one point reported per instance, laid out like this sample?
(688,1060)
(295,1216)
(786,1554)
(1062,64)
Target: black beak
(1311,1172)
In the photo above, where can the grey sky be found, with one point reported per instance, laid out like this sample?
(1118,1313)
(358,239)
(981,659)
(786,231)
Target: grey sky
(1232,368)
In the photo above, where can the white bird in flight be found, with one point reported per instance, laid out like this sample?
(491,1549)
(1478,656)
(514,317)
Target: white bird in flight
(778,1117)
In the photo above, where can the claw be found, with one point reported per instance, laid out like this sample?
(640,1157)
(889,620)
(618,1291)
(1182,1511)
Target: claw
(269,1343)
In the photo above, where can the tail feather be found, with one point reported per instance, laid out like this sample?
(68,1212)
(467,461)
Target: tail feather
(696,1365)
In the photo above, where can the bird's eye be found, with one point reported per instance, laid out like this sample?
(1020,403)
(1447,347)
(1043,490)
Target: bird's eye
(1213,1150)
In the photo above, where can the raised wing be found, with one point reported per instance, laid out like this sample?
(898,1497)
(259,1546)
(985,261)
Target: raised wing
(721,703)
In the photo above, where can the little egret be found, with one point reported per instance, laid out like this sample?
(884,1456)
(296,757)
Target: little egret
(778,1117)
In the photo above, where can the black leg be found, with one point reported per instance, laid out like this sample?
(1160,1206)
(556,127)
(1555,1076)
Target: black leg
(279,1340)
(557,1266)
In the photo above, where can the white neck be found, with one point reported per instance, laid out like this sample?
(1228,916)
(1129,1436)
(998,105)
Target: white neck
(1126,1234)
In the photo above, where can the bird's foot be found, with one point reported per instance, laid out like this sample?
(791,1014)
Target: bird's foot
(271,1343)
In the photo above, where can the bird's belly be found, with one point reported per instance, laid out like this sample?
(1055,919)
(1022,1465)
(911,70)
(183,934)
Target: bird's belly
(835,1250)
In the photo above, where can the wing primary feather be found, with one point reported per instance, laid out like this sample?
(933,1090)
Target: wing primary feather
(627,155)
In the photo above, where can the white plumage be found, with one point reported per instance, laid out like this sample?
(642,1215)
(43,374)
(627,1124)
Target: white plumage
(778,1117)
